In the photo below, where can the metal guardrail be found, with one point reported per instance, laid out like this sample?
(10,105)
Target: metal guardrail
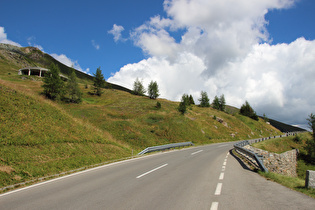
(164,147)
(239,146)
(252,155)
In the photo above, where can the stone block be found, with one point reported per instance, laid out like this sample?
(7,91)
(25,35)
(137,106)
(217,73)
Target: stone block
(310,179)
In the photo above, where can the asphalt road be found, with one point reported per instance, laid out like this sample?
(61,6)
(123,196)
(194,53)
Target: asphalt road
(206,177)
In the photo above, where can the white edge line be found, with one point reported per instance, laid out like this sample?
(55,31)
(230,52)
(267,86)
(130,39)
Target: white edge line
(70,175)
(146,173)
(196,152)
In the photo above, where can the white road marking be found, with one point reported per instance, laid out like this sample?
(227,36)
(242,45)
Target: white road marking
(224,163)
(214,206)
(146,173)
(218,189)
(221,176)
(196,152)
(224,145)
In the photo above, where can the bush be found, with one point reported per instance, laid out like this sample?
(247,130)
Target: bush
(158,105)
(297,139)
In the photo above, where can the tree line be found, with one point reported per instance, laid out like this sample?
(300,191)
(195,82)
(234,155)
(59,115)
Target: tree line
(56,89)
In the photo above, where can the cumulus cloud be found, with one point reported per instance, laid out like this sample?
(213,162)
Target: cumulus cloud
(5,40)
(116,32)
(225,49)
(68,62)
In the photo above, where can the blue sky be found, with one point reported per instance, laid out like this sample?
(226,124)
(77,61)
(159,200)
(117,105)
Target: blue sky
(255,50)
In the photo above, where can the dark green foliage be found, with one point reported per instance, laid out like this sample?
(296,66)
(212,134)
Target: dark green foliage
(191,100)
(216,103)
(74,94)
(53,84)
(182,107)
(158,105)
(310,144)
(219,103)
(138,88)
(297,139)
(153,90)
(204,100)
(222,103)
(248,111)
(99,82)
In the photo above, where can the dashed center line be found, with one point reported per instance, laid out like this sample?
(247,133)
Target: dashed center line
(151,171)
(214,206)
(196,152)
(218,189)
(221,176)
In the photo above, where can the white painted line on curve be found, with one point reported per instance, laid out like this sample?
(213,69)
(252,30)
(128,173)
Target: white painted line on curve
(221,176)
(218,189)
(196,152)
(224,145)
(146,173)
(214,206)
(224,163)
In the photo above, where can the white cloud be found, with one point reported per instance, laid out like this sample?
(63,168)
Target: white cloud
(116,32)
(30,42)
(225,49)
(68,62)
(5,40)
(95,45)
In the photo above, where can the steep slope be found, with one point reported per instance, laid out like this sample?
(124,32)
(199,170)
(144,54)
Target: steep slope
(38,138)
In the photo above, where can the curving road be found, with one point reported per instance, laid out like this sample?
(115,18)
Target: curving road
(206,177)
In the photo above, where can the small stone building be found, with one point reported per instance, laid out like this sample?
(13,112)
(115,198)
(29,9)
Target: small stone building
(36,71)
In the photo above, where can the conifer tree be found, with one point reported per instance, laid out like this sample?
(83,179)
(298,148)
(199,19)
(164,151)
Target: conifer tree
(216,103)
(138,88)
(153,90)
(191,100)
(73,90)
(204,100)
(99,82)
(182,108)
(222,103)
(53,84)
(248,111)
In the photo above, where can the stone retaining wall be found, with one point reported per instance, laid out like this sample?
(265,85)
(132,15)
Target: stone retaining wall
(284,163)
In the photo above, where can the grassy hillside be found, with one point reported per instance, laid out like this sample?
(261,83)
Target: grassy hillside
(39,137)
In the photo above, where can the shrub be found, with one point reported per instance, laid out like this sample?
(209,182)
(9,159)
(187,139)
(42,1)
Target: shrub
(158,105)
